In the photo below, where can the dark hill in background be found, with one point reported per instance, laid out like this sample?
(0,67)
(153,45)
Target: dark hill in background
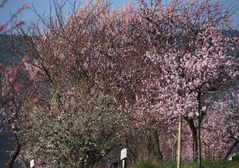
(7,57)
(10,49)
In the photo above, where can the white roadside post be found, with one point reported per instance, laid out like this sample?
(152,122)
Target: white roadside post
(32,164)
(123,156)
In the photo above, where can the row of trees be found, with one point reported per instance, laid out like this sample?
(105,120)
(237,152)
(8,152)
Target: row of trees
(101,79)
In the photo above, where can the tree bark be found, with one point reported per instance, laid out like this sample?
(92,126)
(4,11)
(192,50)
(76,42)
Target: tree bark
(154,147)
(196,132)
(195,145)
(199,149)
(179,141)
(194,137)
(200,117)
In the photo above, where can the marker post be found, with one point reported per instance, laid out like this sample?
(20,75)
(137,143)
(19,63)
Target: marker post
(123,156)
(32,164)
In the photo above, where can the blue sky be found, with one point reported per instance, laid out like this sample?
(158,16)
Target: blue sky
(43,7)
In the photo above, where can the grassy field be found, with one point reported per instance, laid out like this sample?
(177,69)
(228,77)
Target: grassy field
(206,164)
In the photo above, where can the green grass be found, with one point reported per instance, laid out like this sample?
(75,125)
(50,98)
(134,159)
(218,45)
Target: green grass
(144,164)
(205,164)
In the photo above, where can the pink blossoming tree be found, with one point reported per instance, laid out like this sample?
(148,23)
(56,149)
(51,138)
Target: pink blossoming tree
(154,61)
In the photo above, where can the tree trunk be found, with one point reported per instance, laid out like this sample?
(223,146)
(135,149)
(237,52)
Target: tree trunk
(196,132)
(199,155)
(200,117)
(195,144)
(154,147)
(194,137)
(179,141)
